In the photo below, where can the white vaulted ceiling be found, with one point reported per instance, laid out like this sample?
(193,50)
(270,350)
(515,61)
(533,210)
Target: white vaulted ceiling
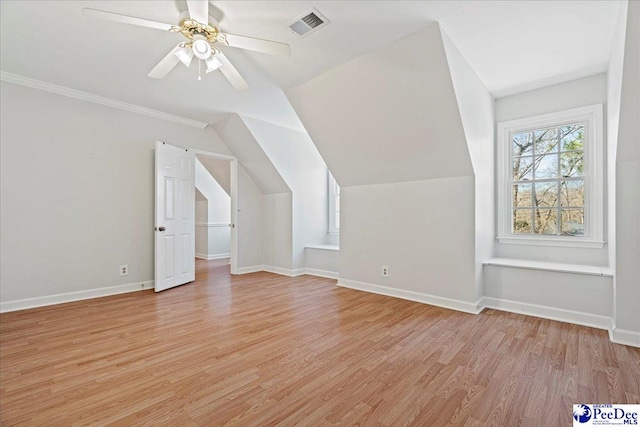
(511,45)
(515,46)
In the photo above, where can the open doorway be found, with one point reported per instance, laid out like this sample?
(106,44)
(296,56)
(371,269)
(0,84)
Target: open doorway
(216,208)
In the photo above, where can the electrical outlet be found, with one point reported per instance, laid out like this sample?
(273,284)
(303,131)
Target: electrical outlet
(124,270)
(385,271)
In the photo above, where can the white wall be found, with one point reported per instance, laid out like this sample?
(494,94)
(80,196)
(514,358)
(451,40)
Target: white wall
(250,200)
(300,165)
(274,247)
(563,96)
(202,233)
(627,209)
(422,230)
(388,126)
(277,230)
(477,109)
(390,115)
(322,261)
(77,186)
(577,93)
(292,177)
(566,296)
(588,299)
(614,94)
(214,225)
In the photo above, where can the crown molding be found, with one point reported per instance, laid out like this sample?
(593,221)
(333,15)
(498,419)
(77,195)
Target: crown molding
(89,97)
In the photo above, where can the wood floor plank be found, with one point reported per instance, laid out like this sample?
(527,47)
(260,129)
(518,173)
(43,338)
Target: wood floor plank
(262,349)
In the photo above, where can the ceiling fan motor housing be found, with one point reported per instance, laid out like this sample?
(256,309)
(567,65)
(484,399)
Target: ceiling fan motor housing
(191,28)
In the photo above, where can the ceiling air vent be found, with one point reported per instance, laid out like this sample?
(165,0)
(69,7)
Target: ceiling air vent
(308,23)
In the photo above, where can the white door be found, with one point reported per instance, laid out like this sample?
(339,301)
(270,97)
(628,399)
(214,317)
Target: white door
(175,217)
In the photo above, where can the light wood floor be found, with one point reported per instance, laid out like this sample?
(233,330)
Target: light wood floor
(262,350)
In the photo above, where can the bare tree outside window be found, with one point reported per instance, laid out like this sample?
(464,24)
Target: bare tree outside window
(548,180)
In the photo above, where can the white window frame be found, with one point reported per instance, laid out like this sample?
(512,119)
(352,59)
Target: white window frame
(593,177)
(331,194)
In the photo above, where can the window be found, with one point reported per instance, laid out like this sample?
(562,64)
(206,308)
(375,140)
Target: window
(550,180)
(334,205)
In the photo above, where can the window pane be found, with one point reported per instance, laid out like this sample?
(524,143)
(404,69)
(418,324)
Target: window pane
(546,166)
(522,168)
(546,141)
(572,222)
(521,195)
(546,194)
(522,221)
(572,164)
(572,193)
(545,221)
(337,221)
(522,144)
(572,137)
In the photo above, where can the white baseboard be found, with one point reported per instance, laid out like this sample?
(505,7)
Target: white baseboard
(23,304)
(626,337)
(271,269)
(619,336)
(284,271)
(545,312)
(210,257)
(452,304)
(288,272)
(250,269)
(321,273)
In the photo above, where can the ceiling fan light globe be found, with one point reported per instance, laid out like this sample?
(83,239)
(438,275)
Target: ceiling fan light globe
(213,63)
(201,49)
(185,55)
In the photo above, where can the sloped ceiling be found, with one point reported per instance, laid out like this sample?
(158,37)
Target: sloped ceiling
(247,150)
(293,153)
(388,116)
(219,169)
(52,41)
(476,106)
(511,45)
(515,46)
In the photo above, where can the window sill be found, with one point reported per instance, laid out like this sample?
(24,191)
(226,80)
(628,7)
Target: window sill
(589,270)
(324,247)
(595,244)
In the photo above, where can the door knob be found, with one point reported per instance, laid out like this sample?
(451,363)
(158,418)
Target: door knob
(161,228)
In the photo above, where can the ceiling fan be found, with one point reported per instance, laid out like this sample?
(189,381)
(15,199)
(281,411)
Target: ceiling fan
(202,35)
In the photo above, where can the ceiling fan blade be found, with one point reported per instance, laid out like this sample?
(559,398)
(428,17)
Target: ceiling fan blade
(199,10)
(257,45)
(125,19)
(165,65)
(231,73)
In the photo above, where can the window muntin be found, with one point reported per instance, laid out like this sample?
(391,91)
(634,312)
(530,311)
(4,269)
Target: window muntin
(547,183)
